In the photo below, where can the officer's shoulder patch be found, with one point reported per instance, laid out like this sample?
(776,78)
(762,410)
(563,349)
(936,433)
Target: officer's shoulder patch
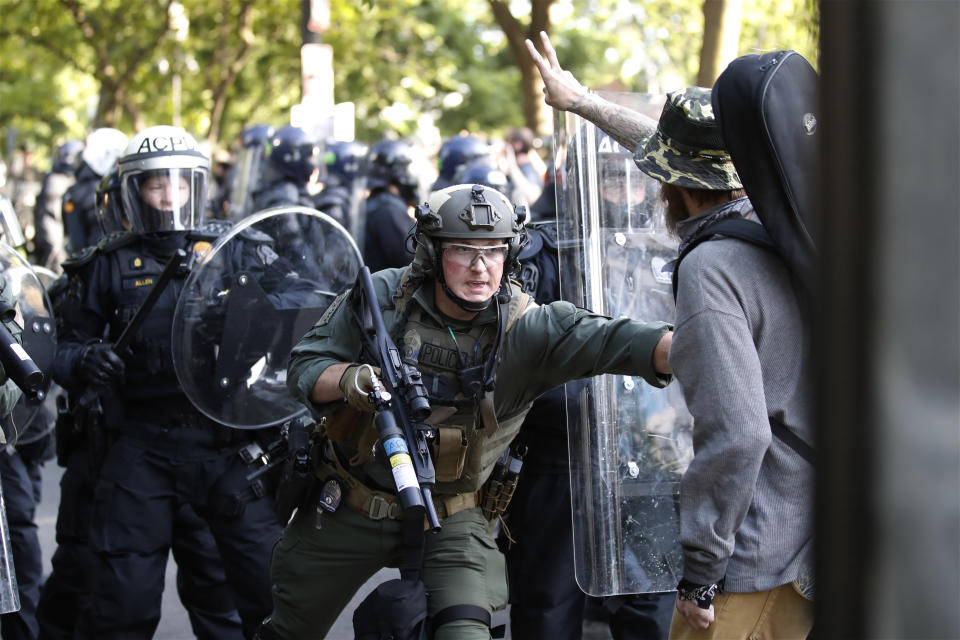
(325,318)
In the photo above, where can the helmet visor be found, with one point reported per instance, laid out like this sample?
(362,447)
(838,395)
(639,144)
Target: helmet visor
(165,199)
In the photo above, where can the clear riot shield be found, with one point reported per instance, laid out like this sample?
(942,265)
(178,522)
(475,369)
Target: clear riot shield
(247,301)
(25,286)
(246,172)
(629,443)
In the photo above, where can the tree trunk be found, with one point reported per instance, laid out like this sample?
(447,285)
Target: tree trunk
(535,110)
(721,35)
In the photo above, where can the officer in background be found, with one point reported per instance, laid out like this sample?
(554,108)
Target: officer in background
(100,151)
(243,175)
(48,243)
(162,452)
(458,318)
(291,162)
(64,597)
(455,154)
(336,199)
(390,174)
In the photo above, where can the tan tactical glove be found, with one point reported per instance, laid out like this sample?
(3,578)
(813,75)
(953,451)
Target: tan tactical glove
(356,383)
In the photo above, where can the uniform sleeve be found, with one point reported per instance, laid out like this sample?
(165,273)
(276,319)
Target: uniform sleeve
(558,342)
(82,320)
(715,361)
(334,338)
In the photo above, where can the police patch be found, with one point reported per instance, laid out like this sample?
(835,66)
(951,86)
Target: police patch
(325,318)
(136,263)
(201,250)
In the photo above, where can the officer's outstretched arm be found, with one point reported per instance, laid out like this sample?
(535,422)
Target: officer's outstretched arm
(661,354)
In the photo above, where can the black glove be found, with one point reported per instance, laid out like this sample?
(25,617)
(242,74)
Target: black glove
(100,366)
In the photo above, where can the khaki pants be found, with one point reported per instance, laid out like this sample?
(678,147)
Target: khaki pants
(777,614)
(316,571)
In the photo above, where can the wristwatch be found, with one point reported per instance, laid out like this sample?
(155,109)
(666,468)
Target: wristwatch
(701,594)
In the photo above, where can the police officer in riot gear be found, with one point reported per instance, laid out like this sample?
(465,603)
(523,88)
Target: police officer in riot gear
(342,160)
(48,241)
(162,453)
(291,161)
(100,151)
(455,154)
(201,583)
(394,188)
(243,175)
(486,351)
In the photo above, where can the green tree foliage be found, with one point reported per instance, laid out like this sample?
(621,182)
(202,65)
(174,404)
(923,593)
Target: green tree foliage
(70,65)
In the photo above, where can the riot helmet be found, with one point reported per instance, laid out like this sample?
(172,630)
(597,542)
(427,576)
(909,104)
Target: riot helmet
(292,154)
(110,215)
(467,212)
(163,180)
(257,135)
(68,156)
(102,148)
(391,162)
(343,160)
(456,153)
(486,174)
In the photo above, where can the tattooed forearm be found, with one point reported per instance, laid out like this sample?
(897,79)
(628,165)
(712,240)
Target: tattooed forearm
(626,126)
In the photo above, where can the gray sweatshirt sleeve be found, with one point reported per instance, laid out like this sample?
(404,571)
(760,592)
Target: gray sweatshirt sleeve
(714,360)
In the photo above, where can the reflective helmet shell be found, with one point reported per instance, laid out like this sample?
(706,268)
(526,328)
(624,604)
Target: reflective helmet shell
(343,160)
(68,154)
(256,136)
(102,148)
(485,174)
(292,153)
(457,152)
(164,155)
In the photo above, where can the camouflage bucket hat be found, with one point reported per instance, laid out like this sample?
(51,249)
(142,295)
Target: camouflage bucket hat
(687,149)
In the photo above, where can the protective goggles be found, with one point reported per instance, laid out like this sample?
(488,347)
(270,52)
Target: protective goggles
(466,254)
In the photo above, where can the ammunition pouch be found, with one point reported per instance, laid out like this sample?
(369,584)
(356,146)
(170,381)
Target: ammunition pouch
(502,484)
(449,452)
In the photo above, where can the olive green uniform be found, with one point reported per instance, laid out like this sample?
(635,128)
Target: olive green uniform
(315,570)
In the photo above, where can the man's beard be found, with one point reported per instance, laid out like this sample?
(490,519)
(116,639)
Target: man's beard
(676,209)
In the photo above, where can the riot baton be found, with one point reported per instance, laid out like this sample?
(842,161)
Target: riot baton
(176,262)
(17,363)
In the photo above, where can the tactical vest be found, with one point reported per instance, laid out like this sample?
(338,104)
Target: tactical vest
(135,265)
(466,450)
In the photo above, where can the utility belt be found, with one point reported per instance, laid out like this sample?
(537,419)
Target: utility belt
(380,505)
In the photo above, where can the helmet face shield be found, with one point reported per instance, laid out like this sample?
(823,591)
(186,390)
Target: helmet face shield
(163,181)
(161,200)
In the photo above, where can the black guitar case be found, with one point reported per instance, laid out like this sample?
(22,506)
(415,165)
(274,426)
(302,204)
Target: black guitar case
(767,107)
